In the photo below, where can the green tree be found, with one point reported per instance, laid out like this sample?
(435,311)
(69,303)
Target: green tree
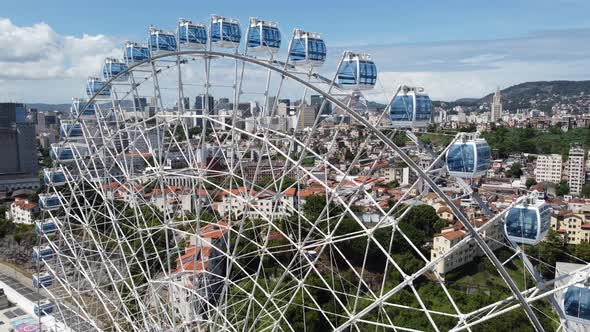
(515,171)
(586,191)
(393,184)
(6,226)
(422,217)
(563,188)
(549,251)
(530,182)
(439,225)
(313,207)
(266,181)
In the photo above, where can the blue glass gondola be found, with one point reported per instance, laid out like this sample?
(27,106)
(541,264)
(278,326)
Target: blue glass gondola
(42,280)
(225,32)
(95,85)
(70,130)
(78,105)
(357,72)
(54,177)
(62,152)
(42,254)
(307,49)
(576,303)
(469,158)
(161,41)
(45,227)
(528,222)
(49,202)
(411,108)
(191,35)
(135,52)
(263,36)
(113,67)
(43,308)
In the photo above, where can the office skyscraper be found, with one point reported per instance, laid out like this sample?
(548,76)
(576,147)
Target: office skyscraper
(496,111)
(140,104)
(317,100)
(18,148)
(200,103)
(576,171)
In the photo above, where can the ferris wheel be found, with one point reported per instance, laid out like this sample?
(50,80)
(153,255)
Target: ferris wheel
(258,207)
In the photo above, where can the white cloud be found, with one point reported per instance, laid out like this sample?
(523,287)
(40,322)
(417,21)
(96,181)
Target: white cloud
(458,69)
(452,85)
(39,61)
(43,66)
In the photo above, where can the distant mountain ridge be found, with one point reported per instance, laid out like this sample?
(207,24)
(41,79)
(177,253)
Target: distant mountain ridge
(541,90)
(516,96)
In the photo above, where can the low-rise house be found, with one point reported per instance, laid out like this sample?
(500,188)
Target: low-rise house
(22,211)
(249,203)
(574,227)
(452,235)
(200,270)
(171,200)
(444,212)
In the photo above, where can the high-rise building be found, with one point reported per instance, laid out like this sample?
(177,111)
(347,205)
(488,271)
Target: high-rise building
(548,168)
(307,115)
(18,165)
(32,115)
(8,114)
(186,103)
(51,120)
(200,103)
(576,169)
(317,101)
(140,104)
(202,106)
(496,111)
(40,123)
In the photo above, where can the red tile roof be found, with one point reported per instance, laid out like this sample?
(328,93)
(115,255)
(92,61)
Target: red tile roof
(24,204)
(167,190)
(290,192)
(110,185)
(312,191)
(214,231)
(29,206)
(453,235)
(443,209)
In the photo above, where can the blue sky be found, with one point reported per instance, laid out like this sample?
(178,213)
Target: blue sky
(455,48)
(342,22)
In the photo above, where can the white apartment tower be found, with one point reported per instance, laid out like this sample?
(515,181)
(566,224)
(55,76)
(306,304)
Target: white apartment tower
(548,168)
(307,115)
(496,112)
(576,170)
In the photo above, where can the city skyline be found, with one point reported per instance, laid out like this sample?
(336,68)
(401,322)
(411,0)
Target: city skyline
(437,51)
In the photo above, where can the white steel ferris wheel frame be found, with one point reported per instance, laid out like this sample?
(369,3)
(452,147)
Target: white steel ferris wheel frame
(524,298)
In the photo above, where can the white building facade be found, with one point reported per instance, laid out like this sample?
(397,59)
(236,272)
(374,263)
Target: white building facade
(576,170)
(22,211)
(548,168)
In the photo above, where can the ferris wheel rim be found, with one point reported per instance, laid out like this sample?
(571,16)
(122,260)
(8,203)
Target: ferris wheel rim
(268,65)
